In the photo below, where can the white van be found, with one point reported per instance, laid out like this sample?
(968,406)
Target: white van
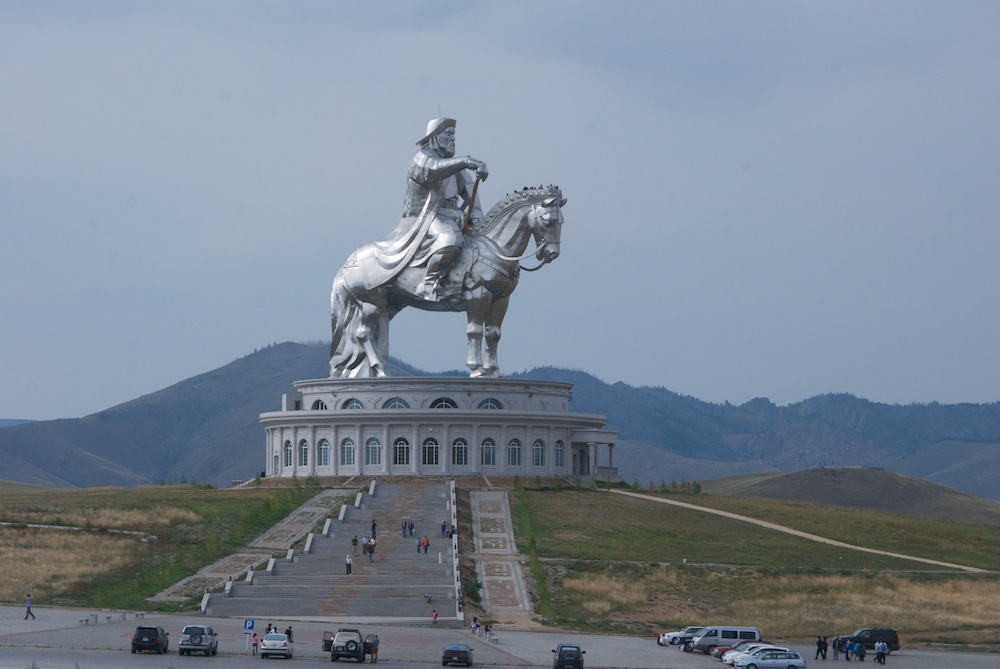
(721,635)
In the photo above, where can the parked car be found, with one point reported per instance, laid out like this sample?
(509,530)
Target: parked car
(719,651)
(867,636)
(150,637)
(456,653)
(276,644)
(752,652)
(772,659)
(198,639)
(568,655)
(679,637)
(721,635)
(348,642)
(729,657)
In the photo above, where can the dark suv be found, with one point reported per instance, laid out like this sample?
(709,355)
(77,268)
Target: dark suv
(867,636)
(568,655)
(150,637)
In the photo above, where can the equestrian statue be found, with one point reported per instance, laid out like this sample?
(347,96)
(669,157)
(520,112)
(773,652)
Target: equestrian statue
(444,255)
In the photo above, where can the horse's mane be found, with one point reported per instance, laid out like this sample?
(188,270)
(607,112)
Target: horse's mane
(514,201)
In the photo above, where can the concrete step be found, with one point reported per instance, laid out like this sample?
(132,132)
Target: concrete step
(394,585)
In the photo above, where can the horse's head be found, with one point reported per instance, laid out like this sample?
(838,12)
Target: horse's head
(546,224)
(530,213)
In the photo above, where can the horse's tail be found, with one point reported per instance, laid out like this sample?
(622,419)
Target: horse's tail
(344,312)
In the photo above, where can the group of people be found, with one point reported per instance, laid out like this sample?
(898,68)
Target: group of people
(852,650)
(367,546)
(474,628)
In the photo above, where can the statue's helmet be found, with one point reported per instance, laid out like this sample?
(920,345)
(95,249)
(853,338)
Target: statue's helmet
(435,126)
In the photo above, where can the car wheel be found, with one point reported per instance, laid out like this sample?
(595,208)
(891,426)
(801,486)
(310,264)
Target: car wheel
(708,651)
(469,663)
(751,666)
(688,647)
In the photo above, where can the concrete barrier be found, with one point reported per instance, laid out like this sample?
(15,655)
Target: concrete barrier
(326,527)
(343,512)
(309,543)
(357,500)
(371,488)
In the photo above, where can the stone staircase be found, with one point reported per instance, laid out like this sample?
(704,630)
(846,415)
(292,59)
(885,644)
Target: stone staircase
(394,585)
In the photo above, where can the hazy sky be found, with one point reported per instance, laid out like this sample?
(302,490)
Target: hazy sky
(766,199)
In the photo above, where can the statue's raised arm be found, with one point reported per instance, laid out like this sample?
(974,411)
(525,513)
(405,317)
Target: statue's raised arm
(434,262)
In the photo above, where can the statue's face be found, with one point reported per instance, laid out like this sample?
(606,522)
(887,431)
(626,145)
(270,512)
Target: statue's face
(444,143)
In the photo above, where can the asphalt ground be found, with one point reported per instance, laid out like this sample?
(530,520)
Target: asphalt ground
(401,642)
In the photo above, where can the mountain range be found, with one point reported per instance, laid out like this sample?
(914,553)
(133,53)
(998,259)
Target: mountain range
(205,429)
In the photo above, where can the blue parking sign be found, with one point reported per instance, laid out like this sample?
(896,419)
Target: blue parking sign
(248,625)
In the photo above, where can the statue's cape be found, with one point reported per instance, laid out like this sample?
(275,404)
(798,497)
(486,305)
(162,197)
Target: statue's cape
(407,246)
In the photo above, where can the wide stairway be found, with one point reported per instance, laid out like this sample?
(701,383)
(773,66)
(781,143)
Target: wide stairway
(394,585)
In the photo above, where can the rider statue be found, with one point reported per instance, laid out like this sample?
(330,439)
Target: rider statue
(440,199)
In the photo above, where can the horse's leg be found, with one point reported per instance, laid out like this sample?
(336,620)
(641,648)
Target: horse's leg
(498,309)
(370,336)
(476,307)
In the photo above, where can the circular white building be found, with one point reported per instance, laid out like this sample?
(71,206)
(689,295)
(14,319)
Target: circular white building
(413,426)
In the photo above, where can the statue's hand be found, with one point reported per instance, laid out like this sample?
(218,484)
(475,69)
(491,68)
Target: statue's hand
(479,166)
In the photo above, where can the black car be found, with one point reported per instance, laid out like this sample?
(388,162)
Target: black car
(868,636)
(568,655)
(456,653)
(150,637)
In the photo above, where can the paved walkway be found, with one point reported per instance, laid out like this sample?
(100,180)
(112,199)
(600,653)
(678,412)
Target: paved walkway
(495,553)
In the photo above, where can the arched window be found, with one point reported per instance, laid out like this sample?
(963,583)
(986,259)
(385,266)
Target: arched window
(460,453)
(347,453)
(401,452)
(488,454)
(514,453)
(373,452)
(559,454)
(319,405)
(303,453)
(430,453)
(490,403)
(352,403)
(288,454)
(395,403)
(538,453)
(444,403)
(324,454)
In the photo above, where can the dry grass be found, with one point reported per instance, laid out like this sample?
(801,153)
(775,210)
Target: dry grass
(800,606)
(53,562)
(140,520)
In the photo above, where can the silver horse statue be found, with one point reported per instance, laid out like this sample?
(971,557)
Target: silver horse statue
(485,273)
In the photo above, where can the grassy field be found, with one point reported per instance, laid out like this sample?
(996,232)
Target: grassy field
(613,563)
(129,543)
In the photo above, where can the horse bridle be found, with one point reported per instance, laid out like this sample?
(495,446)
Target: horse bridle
(533,252)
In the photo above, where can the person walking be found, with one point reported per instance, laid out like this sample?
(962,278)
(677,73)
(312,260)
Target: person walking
(374,526)
(375,648)
(27,610)
(826,646)
(254,642)
(836,647)
(819,647)
(434,616)
(426,543)
(348,563)
(354,545)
